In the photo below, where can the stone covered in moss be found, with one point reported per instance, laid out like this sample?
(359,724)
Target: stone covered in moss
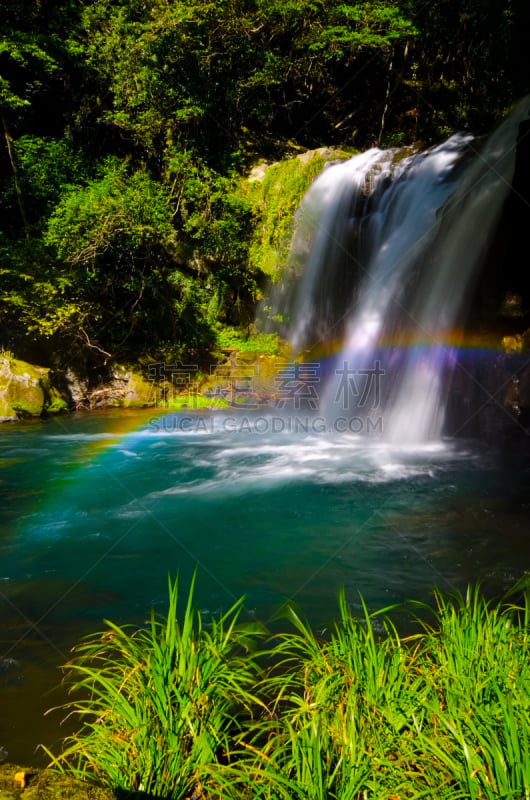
(138,392)
(25,783)
(276,191)
(26,391)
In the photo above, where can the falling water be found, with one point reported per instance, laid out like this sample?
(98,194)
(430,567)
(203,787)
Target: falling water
(385,254)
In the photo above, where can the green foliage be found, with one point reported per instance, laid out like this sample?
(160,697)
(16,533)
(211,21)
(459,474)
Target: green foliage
(443,714)
(343,706)
(36,295)
(266,343)
(353,26)
(128,124)
(159,704)
(448,84)
(115,233)
(127,246)
(217,73)
(27,55)
(476,664)
(211,211)
(120,211)
(48,167)
(143,54)
(276,199)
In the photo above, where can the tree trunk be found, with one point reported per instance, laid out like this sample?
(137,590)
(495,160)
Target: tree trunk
(387,97)
(14,167)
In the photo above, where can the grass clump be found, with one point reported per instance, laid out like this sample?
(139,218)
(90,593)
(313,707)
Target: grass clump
(476,663)
(160,705)
(341,704)
(182,711)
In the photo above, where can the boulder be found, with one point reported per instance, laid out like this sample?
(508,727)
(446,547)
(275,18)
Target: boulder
(26,391)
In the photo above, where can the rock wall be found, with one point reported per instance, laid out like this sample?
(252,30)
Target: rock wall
(489,397)
(28,391)
(489,394)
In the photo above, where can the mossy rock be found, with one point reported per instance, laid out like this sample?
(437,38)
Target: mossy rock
(275,191)
(26,391)
(139,392)
(55,403)
(123,389)
(259,370)
(25,783)
(22,389)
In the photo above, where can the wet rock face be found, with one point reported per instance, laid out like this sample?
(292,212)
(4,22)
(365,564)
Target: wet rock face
(118,388)
(76,386)
(123,389)
(489,397)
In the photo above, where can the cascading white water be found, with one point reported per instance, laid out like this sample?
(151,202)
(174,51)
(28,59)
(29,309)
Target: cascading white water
(384,255)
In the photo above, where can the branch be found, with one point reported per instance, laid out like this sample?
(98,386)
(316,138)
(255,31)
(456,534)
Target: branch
(94,346)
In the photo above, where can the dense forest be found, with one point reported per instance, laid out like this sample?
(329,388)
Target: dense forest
(126,227)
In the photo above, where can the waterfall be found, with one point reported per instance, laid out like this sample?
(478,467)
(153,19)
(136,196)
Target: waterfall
(386,251)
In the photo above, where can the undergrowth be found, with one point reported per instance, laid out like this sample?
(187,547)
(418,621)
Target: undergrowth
(181,709)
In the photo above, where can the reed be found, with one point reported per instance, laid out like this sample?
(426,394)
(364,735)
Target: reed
(343,708)
(476,662)
(158,705)
(359,713)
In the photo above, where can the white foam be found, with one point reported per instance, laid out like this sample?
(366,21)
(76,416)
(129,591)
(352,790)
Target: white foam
(241,461)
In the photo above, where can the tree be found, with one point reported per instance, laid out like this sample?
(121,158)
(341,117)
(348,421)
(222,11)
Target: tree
(20,55)
(112,232)
(212,76)
(36,54)
(464,67)
(148,256)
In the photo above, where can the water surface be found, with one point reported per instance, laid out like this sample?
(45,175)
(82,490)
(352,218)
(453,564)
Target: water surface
(97,510)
